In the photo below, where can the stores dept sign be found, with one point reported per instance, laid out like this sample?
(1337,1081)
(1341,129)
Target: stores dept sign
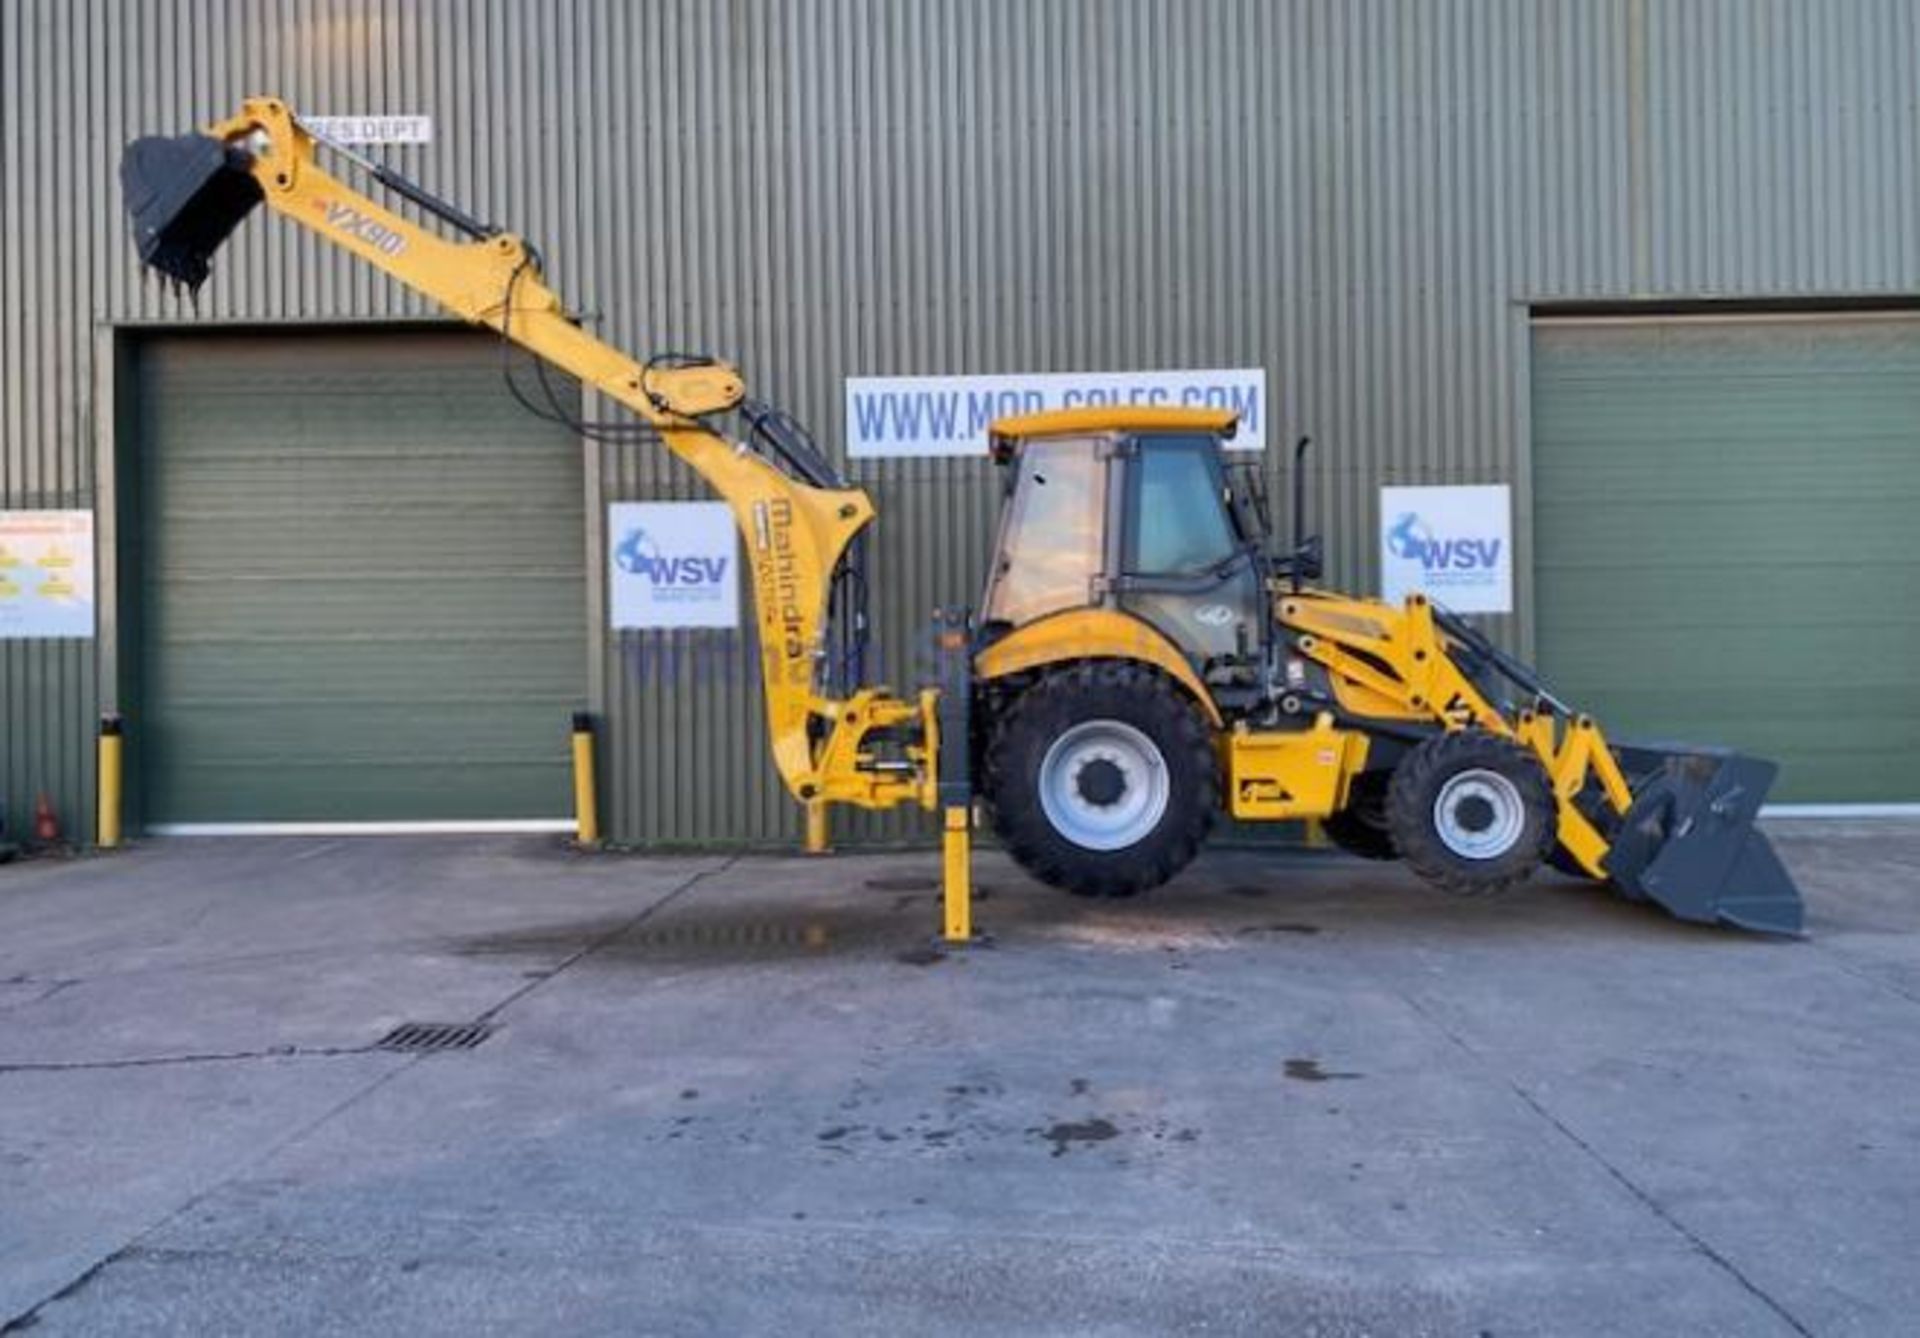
(672,564)
(372,129)
(1452,544)
(949,415)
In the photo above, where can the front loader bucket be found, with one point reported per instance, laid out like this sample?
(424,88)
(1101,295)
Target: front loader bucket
(184,195)
(1688,842)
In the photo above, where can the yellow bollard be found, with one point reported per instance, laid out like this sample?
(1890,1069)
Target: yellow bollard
(818,841)
(107,820)
(586,803)
(956,881)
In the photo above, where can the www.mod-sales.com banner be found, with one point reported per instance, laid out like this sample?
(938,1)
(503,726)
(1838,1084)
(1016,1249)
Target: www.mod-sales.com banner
(949,415)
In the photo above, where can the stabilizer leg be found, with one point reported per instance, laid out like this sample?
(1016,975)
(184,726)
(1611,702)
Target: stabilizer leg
(953,635)
(956,878)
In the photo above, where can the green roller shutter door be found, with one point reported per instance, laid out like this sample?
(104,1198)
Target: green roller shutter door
(360,583)
(1727,524)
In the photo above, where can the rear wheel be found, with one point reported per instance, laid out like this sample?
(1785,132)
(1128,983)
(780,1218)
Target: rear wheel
(1472,813)
(1361,827)
(1101,780)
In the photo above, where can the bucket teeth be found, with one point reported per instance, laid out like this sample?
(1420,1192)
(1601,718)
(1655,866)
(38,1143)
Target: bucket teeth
(184,195)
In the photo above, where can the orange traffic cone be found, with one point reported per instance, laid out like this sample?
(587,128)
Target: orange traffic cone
(46,823)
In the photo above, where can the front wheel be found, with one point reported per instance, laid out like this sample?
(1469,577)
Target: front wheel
(1471,812)
(1101,780)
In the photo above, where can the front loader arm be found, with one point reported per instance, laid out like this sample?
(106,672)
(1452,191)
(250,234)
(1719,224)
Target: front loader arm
(1396,663)
(795,533)
(1679,832)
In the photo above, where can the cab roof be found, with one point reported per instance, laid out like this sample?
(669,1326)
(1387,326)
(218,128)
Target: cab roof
(1115,418)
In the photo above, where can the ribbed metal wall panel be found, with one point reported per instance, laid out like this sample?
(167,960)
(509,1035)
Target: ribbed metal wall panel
(1362,197)
(1781,144)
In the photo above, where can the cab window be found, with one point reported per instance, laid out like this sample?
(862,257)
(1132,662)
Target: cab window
(1176,513)
(1050,546)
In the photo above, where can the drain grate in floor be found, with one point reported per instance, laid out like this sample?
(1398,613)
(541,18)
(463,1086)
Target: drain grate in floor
(415,1037)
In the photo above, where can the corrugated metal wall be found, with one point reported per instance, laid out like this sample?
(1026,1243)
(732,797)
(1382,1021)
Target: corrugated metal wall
(1362,197)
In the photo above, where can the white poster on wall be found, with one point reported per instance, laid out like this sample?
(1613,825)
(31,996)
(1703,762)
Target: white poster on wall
(46,574)
(949,415)
(672,564)
(1452,544)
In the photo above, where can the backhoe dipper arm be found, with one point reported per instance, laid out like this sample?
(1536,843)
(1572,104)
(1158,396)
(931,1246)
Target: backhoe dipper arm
(795,533)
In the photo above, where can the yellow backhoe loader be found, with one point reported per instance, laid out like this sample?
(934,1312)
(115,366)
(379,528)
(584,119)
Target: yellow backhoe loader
(1145,656)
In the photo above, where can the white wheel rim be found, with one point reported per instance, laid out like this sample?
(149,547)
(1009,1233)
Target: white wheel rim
(1479,814)
(1095,755)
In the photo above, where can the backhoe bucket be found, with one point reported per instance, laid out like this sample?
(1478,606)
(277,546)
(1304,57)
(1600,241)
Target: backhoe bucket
(184,195)
(1688,842)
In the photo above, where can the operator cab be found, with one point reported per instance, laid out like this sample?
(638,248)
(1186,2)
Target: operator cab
(1132,509)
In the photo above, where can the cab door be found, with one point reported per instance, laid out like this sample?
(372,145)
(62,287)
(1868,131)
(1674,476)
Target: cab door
(1183,566)
(1052,545)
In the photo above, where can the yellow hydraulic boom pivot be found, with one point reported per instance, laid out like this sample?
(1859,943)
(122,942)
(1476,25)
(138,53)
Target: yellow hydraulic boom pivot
(795,533)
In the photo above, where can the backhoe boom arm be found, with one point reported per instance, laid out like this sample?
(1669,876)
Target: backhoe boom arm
(186,199)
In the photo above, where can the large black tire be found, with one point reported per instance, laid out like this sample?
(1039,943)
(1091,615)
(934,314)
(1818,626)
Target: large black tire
(1471,813)
(1077,703)
(1361,827)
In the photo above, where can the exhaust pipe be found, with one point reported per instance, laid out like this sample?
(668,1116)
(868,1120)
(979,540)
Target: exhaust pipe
(184,196)
(1688,842)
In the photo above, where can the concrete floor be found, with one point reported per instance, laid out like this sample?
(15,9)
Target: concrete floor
(1290,1093)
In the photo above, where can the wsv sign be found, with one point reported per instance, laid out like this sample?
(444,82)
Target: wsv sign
(1452,544)
(639,555)
(672,564)
(1410,538)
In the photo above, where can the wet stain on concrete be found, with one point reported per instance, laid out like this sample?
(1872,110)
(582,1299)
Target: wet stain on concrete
(1309,1070)
(543,940)
(904,883)
(1066,1133)
(924,955)
(1079,1086)
(705,939)
(1288,927)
